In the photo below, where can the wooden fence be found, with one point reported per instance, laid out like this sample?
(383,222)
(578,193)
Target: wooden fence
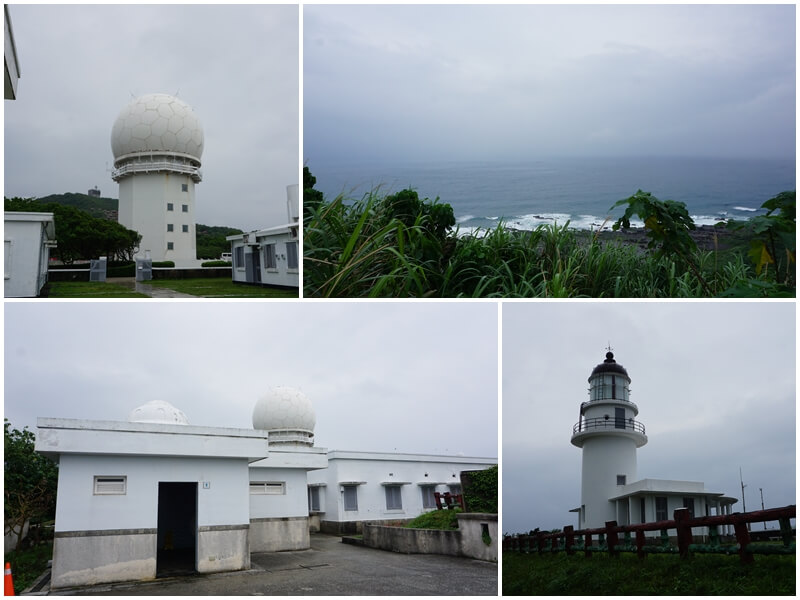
(631,538)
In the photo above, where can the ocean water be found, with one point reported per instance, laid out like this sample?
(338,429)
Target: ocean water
(582,191)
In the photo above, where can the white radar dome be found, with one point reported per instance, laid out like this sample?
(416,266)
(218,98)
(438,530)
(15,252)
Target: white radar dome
(158,411)
(288,411)
(157,123)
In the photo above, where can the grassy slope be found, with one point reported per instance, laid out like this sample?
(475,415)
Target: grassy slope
(220,287)
(656,575)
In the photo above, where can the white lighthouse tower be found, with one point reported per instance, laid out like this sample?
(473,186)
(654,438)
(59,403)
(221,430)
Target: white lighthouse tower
(609,437)
(157,143)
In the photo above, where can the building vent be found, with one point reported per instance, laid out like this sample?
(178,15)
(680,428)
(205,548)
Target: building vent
(268,488)
(104,485)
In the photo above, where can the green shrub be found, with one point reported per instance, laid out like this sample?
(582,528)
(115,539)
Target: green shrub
(163,264)
(217,263)
(480,490)
(436,519)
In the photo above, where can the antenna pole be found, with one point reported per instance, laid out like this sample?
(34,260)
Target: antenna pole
(741,481)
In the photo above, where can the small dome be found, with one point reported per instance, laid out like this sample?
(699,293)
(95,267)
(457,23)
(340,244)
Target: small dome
(284,408)
(609,365)
(158,411)
(157,123)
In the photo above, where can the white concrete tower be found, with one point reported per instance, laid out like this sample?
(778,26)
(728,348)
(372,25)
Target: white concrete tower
(609,437)
(157,143)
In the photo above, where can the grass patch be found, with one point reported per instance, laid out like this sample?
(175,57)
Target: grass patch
(220,287)
(559,574)
(85,289)
(435,519)
(28,564)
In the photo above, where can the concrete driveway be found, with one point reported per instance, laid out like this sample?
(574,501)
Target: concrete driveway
(329,568)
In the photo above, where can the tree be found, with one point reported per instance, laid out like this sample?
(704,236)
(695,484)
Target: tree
(30,481)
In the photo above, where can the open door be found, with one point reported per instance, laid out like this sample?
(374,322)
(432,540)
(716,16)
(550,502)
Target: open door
(177,528)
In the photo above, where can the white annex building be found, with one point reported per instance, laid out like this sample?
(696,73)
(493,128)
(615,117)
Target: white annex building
(609,438)
(27,240)
(157,141)
(155,496)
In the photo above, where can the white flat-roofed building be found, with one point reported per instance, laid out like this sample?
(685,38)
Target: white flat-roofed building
(27,240)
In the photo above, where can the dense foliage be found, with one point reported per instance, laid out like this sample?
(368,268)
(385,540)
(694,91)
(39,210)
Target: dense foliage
(211,242)
(30,481)
(102,208)
(480,490)
(435,519)
(399,245)
(80,235)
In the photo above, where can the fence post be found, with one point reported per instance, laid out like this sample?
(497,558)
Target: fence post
(743,539)
(570,540)
(786,530)
(684,531)
(613,538)
(586,545)
(640,544)
(540,542)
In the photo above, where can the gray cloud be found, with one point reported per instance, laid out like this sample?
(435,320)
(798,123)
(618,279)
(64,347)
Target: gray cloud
(236,65)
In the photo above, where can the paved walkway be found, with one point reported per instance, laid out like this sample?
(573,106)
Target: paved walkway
(329,568)
(147,289)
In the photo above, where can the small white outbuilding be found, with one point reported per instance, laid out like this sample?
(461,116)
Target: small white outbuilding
(27,240)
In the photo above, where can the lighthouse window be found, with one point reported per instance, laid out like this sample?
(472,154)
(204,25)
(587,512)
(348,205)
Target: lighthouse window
(184,187)
(613,387)
(185,228)
(169,227)
(621,479)
(170,246)
(619,418)
(185,207)
(170,207)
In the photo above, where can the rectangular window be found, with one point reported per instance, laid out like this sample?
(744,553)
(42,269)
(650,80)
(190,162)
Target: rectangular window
(269,488)
(291,255)
(689,503)
(619,418)
(105,485)
(238,255)
(170,246)
(313,499)
(269,257)
(350,497)
(428,499)
(661,508)
(184,187)
(169,227)
(394,500)
(185,228)
(621,479)
(169,206)
(185,207)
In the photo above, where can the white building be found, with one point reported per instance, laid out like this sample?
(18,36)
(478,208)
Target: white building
(609,438)
(157,142)
(27,239)
(154,496)
(367,486)
(269,256)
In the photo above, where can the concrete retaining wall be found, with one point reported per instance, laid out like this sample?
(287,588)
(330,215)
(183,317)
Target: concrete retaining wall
(222,548)
(279,534)
(91,557)
(472,527)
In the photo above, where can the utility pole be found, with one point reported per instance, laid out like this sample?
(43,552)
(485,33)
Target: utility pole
(744,506)
(762,505)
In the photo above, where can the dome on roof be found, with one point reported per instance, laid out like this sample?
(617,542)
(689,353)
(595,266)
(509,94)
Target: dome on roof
(287,412)
(609,365)
(158,411)
(157,123)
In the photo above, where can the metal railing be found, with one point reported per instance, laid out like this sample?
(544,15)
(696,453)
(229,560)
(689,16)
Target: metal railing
(155,167)
(607,424)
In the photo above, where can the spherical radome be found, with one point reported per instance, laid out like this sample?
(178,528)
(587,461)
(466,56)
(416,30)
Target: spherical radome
(284,408)
(160,123)
(158,411)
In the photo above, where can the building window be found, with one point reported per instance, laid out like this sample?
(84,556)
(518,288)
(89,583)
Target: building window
(269,257)
(394,500)
(661,508)
(350,497)
(238,257)
(291,255)
(428,498)
(641,510)
(185,228)
(185,207)
(170,207)
(619,418)
(455,488)
(313,499)
(169,227)
(110,485)
(621,479)
(268,488)
(689,503)
(184,187)
(170,246)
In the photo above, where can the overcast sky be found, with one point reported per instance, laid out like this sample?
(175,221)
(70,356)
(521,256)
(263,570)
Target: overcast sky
(714,383)
(409,377)
(458,82)
(237,66)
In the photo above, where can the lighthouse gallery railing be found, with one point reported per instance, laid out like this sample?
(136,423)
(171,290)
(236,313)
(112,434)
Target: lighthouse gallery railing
(608,424)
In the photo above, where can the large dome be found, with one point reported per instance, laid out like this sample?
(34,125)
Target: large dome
(160,123)
(158,411)
(284,409)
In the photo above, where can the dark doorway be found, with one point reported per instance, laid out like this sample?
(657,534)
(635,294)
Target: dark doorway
(177,528)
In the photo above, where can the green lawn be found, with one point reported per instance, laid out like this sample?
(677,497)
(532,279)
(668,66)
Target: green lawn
(86,289)
(602,575)
(220,287)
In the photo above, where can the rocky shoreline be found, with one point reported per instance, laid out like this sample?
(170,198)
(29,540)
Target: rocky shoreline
(707,237)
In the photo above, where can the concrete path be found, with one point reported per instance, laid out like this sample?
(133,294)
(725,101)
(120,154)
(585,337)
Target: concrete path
(145,288)
(329,568)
